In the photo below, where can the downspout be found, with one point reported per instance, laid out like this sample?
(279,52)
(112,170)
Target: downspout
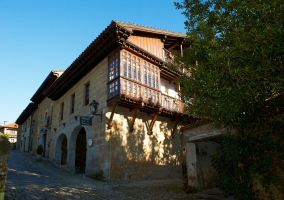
(109,154)
(31,126)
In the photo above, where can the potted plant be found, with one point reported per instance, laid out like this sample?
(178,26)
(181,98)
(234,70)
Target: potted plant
(39,151)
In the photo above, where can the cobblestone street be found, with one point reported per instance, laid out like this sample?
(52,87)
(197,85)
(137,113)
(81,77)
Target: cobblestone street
(30,179)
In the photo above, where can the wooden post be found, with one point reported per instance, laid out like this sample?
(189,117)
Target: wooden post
(111,116)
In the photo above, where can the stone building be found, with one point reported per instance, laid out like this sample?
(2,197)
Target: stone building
(132,131)
(25,128)
(10,129)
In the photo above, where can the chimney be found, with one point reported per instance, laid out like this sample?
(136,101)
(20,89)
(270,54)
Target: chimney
(5,123)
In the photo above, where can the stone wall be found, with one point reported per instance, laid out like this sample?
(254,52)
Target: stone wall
(121,155)
(138,156)
(4,155)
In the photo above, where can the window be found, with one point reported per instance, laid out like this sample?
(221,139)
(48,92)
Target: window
(61,110)
(87,94)
(113,66)
(140,70)
(72,103)
(113,88)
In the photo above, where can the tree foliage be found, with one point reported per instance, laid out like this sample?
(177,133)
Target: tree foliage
(238,81)
(6,135)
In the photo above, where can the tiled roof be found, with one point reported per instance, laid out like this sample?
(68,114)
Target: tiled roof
(51,77)
(150,29)
(113,36)
(26,113)
(11,125)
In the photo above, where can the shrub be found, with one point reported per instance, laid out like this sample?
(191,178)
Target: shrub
(39,149)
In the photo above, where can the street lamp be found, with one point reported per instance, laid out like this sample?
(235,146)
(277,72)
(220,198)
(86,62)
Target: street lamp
(94,108)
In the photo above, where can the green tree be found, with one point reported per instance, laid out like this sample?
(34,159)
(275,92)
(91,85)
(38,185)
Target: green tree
(6,135)
(236,66)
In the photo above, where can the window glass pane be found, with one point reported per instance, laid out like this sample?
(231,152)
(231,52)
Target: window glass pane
(139,74)
(129,69)
(145,76)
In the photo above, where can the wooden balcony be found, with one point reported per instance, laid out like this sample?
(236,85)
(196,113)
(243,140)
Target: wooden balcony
(169,57)
(129,93)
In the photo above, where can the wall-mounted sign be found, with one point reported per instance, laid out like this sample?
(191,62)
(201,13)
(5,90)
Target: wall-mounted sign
(86,120)
(184,150)
(43,130)
(90,142)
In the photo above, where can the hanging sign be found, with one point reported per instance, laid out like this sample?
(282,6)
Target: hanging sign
(86,120)
(43,130)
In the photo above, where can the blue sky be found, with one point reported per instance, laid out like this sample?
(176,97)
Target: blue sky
(39,36)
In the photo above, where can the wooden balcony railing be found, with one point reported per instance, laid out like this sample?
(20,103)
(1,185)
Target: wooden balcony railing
(141,93)
(169,57)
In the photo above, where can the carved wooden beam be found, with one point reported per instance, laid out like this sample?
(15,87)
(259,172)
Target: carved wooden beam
(150,132)
(175,126)
(111,116)
(136,110)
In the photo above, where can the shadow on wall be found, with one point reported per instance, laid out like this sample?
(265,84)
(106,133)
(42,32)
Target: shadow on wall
(138,156)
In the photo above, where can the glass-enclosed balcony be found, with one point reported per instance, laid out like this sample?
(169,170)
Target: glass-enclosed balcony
(133,81)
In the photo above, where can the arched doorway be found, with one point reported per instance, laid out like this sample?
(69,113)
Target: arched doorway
(64,151)
(61,152)
(80,156)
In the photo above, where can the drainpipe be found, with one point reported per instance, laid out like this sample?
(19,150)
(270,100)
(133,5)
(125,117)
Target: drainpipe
(109,154)
(31,126)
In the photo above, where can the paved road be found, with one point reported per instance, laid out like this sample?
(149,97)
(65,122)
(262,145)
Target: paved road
(29,179)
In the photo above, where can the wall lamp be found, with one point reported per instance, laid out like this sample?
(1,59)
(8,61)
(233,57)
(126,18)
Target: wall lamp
(94,108)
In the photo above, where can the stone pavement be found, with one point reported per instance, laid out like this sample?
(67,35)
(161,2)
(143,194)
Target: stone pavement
(30,179)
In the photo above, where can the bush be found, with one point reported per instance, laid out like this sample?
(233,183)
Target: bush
(5,135)
(98,176)
(39,149)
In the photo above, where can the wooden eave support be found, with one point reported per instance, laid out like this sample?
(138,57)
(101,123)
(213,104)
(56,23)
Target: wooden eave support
(155,115)
(175,126)
(111,116)
(173,46)
(136,110)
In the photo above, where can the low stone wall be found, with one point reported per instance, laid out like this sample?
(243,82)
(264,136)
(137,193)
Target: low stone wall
(273,192)
(4,155)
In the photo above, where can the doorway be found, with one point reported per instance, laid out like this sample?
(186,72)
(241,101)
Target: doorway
(64,151)
(80,156)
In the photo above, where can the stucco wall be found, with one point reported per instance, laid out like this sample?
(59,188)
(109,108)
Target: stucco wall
(207,175)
